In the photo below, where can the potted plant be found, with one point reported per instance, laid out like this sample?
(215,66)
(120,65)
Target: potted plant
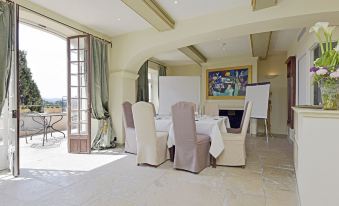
(326,68)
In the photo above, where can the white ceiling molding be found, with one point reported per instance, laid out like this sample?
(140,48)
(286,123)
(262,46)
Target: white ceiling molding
(263,4)
(44,24)
(194,54)
(153,13)
(260,44)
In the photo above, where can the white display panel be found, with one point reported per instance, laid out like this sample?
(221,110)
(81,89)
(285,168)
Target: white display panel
(173,89)
(259,95)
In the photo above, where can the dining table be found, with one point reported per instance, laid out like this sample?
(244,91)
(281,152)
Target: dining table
(213,126)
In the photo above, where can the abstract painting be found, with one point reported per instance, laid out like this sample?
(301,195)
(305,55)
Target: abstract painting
(228,83)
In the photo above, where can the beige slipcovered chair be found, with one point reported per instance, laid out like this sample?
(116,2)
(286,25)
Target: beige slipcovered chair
(191,149)
(154,111)
(234,153)
(151,145)
(211,109)
(130,136)
(238,130)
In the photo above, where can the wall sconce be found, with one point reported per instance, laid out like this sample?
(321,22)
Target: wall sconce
(271,76)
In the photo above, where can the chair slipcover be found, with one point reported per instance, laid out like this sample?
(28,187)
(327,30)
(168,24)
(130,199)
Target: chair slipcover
(238,130)
(154,111)
(151,145)
(130,137)
(234,153)
(191,149)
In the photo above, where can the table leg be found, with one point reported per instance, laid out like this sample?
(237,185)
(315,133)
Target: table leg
(172,153)
(213,161)
(52,126)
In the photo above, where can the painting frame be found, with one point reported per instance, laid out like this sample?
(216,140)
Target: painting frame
(232,69)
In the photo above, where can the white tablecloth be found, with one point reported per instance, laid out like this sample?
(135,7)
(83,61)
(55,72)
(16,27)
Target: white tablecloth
(211,126)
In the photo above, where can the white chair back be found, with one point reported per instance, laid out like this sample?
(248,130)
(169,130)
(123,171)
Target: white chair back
(144,124)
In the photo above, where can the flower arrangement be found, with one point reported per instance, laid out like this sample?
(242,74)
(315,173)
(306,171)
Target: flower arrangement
(326,68)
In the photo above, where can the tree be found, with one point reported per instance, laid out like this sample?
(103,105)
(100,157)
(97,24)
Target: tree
(28,89)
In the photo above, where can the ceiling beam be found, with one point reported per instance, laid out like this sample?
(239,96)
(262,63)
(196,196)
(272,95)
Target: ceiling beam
(260,44)
(153,13)
(262,4)
(194,54)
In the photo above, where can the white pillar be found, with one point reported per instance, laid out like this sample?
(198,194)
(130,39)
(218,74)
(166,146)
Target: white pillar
(122,87)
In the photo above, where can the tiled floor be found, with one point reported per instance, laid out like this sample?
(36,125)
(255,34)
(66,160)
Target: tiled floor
(53,177)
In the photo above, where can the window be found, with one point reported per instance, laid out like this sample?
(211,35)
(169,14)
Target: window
(316,89)
(153,87)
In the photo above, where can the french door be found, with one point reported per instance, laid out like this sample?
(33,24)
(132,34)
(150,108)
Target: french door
(78,98)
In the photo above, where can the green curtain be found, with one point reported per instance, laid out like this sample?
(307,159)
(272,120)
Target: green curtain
(105,136)
(7,42)
(162,70)
(142,92)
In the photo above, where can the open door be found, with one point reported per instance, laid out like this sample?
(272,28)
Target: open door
(79,102)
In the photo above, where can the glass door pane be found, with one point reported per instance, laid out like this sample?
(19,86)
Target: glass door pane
(79,111)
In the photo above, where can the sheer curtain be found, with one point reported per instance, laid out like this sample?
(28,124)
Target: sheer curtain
(162,70)
(142,92)
(99,89)
(7,42)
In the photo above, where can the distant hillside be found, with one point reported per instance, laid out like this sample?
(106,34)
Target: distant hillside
(52,100)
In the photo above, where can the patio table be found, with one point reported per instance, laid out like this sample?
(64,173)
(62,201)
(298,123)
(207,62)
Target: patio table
(45,120)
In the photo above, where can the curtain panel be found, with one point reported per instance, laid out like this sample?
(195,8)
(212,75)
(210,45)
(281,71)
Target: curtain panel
(7,43)
(142,92)
(162,70)
(100,110)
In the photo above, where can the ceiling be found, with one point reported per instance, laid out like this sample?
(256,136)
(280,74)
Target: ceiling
(282,40)
(187,9)
(173,58)
(113,17)
(239,46)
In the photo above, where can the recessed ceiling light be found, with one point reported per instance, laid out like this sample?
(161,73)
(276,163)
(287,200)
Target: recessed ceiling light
(175,2)
(118,19)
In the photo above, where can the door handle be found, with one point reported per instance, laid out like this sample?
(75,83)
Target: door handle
(14,114)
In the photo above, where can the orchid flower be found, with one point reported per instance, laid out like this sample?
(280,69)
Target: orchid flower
(328,35)
(329,30)
(315,28)
(322,25)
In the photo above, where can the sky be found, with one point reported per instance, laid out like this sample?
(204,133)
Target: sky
(47,59)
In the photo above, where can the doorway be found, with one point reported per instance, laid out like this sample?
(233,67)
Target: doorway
(47,121)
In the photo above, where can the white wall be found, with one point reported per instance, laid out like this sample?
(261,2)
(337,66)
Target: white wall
(275,65)
(195,70)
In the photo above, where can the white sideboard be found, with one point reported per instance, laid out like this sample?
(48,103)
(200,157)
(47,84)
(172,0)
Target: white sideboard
(316,156)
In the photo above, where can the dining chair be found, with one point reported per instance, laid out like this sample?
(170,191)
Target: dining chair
(211,109)
(194,106)
(151,145)
(154,111)
(191,149)
(238,130)
(234,153)
(130,136)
